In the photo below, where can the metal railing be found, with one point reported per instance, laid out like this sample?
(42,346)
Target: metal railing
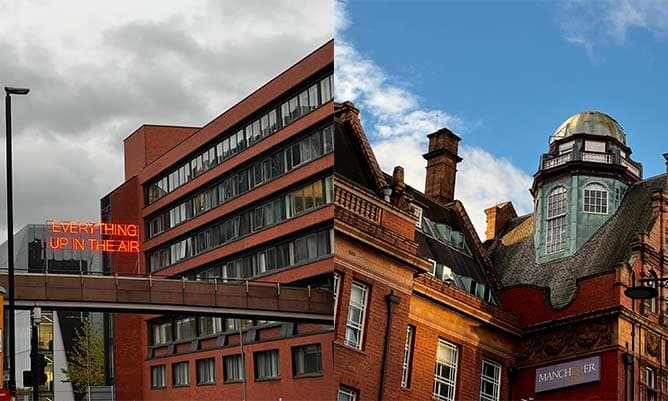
(592,157)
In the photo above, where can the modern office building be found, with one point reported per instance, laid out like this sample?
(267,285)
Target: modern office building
(57,329)
(247,196)
(417,308)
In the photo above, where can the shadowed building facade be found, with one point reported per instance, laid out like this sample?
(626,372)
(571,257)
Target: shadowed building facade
(417,307)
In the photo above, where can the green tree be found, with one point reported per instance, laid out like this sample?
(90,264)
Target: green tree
(85,362)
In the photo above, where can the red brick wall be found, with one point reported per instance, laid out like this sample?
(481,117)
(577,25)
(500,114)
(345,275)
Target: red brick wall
(611,386)
(130,338)
(468,370)
(394,222)
(361,369)
(530,304)
(161,138)
(287,388)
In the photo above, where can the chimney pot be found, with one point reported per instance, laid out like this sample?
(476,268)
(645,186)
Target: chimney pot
(497,218)
(442,160)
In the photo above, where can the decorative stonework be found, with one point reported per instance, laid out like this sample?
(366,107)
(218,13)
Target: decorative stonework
(357,205)
(553,342)
(652,344)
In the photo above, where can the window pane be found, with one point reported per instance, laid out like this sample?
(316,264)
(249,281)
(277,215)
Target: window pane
(306,360)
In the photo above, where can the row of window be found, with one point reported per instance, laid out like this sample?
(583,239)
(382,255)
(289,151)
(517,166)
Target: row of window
(308,100)
(301,250)
(306,361)
(468,284)
(447,354)
(440,231)
(556,219)
(282,208)
(188,328)
(232,185)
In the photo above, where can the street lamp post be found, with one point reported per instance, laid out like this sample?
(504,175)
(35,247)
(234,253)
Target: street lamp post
(10,235)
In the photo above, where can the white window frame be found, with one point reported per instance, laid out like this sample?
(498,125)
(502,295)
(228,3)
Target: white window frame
(595,196)
(337,290)
(408,356)
(347,394)
(440,381)
(495,381)
(353,326)
(650,384)
(556,214)
(417,212)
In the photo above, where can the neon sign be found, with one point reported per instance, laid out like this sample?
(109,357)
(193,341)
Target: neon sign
(100,237)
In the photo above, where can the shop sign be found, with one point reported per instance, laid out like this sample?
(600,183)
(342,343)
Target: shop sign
(568,374)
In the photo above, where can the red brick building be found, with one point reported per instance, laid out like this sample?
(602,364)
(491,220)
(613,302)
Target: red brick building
(417,310)
(564,268)
(248,196)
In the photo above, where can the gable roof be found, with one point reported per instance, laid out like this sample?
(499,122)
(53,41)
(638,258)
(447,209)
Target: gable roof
(355,160)
(513,253)
(361,166)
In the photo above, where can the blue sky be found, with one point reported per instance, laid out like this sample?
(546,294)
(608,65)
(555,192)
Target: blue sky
(503,75)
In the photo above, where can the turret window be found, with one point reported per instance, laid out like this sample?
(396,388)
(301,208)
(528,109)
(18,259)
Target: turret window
(596,199)
(557,206)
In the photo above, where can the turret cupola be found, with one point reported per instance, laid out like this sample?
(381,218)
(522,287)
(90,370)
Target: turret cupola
(580,182)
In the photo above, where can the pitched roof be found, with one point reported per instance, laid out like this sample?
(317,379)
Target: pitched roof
(364,170)
(513,251)
(356,161)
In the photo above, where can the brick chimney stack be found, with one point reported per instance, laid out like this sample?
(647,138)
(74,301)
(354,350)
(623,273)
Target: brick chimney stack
(442,162)
(497,218)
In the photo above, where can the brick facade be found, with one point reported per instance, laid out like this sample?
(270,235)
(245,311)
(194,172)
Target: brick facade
(152,152)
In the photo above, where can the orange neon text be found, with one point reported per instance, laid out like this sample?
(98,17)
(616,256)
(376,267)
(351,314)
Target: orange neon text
(96,237)
(82,227)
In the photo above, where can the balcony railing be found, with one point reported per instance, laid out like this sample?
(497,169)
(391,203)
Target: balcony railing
(592,157)
(357,204)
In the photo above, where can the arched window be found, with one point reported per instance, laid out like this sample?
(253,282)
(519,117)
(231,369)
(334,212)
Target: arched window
(596,199)
(557,207)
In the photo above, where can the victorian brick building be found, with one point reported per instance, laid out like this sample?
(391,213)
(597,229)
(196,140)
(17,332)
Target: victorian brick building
(597,227)
(248,196)
(536,312)
(417,308)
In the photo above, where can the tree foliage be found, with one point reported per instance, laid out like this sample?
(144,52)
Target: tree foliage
(85,361)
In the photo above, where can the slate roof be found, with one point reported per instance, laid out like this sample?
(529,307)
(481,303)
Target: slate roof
(513,252)
(462,264)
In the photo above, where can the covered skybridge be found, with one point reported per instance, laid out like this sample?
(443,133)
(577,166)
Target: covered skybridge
(151,295)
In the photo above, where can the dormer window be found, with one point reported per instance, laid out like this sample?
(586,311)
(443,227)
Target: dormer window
(596,199)
(557,206)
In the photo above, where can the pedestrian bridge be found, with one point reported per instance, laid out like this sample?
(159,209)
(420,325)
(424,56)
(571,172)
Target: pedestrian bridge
(151,295)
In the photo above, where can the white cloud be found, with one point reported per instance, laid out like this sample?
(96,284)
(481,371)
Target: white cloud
(594,23)
(98,70)
(399,124)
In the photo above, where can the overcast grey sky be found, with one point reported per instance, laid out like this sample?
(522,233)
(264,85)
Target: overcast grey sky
(98,70)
